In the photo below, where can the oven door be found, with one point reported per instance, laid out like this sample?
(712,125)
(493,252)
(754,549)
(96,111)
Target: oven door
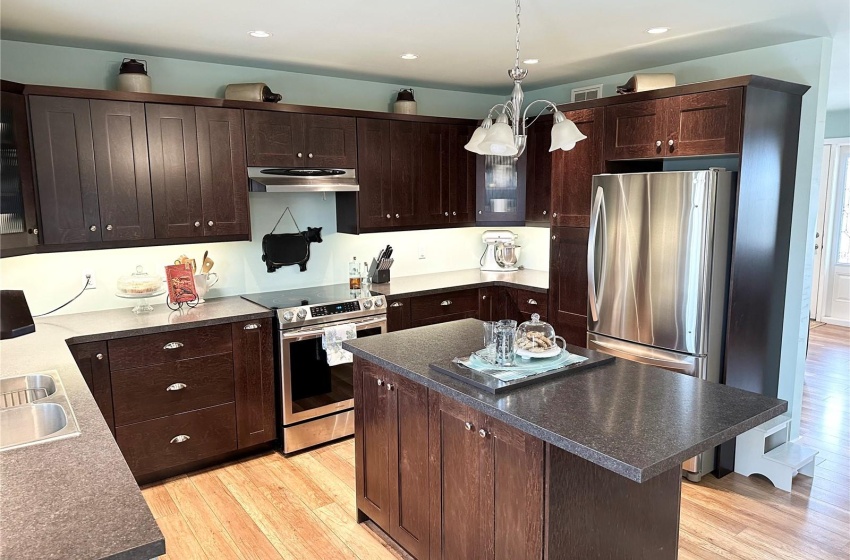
(310,387)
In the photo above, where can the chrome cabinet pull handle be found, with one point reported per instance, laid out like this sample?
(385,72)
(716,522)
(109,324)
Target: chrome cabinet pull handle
(396,304)
(468,426)
(380,382)
(251,327)
(176,387)
(173,346)
(482,432)
(99,356)
(531,302)
(446,302)
(180,439)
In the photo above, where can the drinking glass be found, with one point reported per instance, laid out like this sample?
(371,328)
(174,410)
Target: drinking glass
(504,337)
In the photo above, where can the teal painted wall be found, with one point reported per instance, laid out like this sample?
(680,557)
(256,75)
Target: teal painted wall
(805,62)
(34,63)
(837,124)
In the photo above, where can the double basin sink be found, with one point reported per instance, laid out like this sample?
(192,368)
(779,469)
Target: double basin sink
(34,409)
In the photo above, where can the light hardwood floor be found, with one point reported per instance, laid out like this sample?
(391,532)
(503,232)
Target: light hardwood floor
(269,507)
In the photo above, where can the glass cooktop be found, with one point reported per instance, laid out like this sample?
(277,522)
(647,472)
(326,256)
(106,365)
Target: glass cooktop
(308,296)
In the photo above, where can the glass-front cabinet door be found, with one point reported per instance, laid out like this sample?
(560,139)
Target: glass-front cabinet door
(18,230)
(500,191)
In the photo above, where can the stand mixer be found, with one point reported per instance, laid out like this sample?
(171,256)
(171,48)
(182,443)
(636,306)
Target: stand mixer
(501,253)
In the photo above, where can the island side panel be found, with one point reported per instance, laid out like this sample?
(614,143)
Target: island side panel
(592,512)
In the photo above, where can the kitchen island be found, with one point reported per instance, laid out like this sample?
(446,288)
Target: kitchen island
(584,466)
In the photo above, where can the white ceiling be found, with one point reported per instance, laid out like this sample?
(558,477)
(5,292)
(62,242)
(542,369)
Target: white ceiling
(462,44)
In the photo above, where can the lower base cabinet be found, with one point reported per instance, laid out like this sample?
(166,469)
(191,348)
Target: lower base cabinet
(441,479)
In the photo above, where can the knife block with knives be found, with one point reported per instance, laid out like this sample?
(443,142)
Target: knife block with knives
(379,271)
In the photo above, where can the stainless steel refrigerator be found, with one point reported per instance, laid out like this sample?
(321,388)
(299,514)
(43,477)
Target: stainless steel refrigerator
(657,269)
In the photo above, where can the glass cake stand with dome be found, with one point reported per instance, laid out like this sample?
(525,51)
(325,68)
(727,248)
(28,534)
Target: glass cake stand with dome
(537,339)
(140,286)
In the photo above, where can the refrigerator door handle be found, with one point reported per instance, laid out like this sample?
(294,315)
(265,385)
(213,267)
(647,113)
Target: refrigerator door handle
(595,212)
(686,366)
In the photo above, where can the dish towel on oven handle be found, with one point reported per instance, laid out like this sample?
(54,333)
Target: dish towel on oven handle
(332,339)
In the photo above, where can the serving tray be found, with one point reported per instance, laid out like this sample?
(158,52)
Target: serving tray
(490,384)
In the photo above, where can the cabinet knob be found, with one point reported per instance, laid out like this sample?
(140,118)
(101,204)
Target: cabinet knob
(396,216)
(99,356)
(658,144)
(531,301)
(446,302)
(109,227)
(670,142)
(483,297)
(554,214)
(468,426)
(544,212)
(34,231)
(482,432)
(173,346)
(93,228)
(380,382)
(553,237)
(310,156)
(211,223)
(176,387)
(251,327)
(454,213)
(300,154)
(480,212)
(180,439)
(388,216)
(389,386)
(446,214)
(197,224)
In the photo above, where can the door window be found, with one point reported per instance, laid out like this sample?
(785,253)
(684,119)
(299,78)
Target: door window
(844,217)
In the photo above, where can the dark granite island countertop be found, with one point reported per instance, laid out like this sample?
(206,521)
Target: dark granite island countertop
(76,497)
(635,420)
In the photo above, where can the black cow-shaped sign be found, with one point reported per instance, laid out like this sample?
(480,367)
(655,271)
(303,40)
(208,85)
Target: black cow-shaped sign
(287,249)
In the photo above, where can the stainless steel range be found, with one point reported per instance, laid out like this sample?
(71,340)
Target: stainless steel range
(317,403)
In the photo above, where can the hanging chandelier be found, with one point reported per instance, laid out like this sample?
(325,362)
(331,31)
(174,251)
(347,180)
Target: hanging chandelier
(506,136)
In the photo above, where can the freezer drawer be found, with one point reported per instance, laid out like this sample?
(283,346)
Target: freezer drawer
(694,366)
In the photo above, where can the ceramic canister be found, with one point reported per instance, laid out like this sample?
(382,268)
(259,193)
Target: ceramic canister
(133,76)
(405,104)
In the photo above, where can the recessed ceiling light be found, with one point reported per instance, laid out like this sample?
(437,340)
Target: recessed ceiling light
(657,30)
(410,56)
(259,34)
(531,61)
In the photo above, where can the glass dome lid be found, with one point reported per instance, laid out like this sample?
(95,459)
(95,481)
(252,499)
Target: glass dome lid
(536,338)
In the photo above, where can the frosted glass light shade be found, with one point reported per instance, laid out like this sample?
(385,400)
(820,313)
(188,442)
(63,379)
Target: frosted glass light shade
(499,141)
(565,134)
(474,144)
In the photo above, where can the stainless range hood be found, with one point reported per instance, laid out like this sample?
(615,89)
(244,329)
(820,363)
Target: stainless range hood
(289,179)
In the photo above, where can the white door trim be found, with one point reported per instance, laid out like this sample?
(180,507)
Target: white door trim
(835,198)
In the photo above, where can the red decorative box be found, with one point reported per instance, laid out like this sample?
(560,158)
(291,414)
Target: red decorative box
(181,283)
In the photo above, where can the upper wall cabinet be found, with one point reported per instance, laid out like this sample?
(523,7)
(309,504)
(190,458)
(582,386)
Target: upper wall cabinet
(91,161)
(705,123)
(18,226)
(446,193)
(572,171)
(283,139)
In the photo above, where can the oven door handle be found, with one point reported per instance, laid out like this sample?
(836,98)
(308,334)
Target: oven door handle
(302,334)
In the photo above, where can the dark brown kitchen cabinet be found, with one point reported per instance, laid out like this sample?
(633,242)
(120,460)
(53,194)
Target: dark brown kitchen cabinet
(398,314)
(487,486)
(698,124)
(65,169)
(224,184)
(572,171)
(704,123)
(175,171)
(19,228)
(197,162)
(404,172)
(282,139)
(539,179)
(254,382)
(93,361)
(446,193)
(568,284)
(443,307)
(635,130)
(122,170)
(390,430)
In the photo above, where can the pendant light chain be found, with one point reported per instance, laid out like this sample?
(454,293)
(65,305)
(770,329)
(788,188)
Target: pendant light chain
(516,62)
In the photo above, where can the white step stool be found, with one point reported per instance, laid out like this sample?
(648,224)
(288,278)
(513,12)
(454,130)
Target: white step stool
(766,450)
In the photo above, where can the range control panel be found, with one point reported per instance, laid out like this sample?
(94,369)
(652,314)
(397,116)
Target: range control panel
(334,308)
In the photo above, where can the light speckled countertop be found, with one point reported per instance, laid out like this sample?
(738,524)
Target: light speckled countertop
(76,497)
(421,284)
